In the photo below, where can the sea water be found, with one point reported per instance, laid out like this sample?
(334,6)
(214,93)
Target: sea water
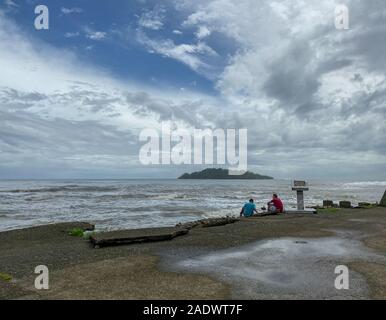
(119,204)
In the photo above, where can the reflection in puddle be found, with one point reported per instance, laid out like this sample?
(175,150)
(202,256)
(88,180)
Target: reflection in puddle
(287,267)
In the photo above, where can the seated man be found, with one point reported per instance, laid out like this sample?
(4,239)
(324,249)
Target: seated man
(248,209)
(275,205)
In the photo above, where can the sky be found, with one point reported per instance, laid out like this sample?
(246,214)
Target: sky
(74,98)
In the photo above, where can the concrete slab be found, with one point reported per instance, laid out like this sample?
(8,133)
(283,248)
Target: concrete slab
(114,238)
(207,223)
(306,211)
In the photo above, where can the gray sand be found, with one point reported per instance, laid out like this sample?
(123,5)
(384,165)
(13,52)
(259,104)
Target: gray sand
(280,257)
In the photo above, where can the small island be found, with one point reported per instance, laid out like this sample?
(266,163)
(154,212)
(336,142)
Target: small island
(223,174)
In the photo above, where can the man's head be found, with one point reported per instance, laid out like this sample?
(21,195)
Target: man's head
(251,200)
(274,195)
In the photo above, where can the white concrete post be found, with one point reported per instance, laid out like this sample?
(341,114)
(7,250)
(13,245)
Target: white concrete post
(300,187)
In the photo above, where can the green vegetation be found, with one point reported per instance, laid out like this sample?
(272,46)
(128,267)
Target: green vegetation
(369,206)
(5,276)
(223,174)
(76,232)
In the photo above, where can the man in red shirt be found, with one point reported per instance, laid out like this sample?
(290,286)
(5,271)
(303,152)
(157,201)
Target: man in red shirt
(275,205)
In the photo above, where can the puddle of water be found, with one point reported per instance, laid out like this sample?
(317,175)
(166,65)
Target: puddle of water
(287,267)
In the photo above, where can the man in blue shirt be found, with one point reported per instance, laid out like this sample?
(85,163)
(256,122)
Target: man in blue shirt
(248,209)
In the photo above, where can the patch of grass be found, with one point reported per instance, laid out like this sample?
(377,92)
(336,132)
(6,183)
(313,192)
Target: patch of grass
(370,206)
(76,232)
(5,276)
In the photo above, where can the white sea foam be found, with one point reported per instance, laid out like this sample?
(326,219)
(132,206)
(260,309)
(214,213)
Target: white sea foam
(365,184)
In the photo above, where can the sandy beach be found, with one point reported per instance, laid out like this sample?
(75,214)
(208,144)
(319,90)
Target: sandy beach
(274,257)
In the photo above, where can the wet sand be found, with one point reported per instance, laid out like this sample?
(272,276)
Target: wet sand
(274,257)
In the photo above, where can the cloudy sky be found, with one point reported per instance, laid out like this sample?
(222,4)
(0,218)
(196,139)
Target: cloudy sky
(74,98)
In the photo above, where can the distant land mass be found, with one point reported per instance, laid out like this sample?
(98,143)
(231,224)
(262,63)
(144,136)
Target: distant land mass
(222,174)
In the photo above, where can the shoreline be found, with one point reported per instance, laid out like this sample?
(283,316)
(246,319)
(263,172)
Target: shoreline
(149,270)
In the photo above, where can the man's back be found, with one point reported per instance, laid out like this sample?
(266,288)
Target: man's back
(278,204)
(248,209)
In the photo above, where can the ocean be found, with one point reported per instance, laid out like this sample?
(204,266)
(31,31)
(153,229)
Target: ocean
(121,204)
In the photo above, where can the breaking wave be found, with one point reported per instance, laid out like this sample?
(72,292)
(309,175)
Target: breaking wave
(62,188)
(365,184)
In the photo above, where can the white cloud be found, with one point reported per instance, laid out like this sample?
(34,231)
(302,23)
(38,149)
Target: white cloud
(193,54)
(153,19)
(305,85)
(11,5)
(71,10)
(311,97)
(57,112)
(188,54)
(202,32)
(71,34)
(94,35)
